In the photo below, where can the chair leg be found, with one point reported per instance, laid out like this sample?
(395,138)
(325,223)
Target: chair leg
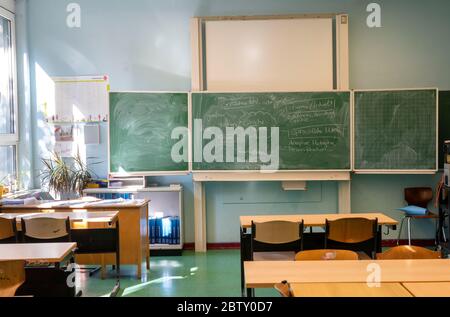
(400,230)
(409,230)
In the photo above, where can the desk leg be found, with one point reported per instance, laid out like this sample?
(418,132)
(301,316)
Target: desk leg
(147,259)
(139,271)
(117,250)
(242,261)
(379,239)
(245,256)
(103,269)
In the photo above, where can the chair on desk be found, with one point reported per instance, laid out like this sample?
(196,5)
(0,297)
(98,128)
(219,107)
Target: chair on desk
(276,240)
(420,197)
(8,230)
(48,229)
(407,252)
(326,254)
(12,276)
(355,234)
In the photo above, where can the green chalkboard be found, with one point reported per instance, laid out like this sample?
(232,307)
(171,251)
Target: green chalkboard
(313,131)
(395,130)
(444,123)
(140,131)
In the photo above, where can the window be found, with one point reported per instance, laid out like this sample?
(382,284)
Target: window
(8,99)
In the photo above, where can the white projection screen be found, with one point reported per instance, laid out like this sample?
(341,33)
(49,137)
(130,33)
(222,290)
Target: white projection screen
(269,55)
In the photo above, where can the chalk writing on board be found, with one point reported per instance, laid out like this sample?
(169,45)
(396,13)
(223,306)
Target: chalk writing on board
(314,127)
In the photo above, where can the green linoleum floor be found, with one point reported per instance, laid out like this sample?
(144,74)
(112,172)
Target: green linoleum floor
(212,274)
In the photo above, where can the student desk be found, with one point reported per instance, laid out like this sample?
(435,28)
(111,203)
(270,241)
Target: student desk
(37,252)
(133,231)
(264,274)
(94,232)
(348,290)
(42,280)
(311,240)
(429,289)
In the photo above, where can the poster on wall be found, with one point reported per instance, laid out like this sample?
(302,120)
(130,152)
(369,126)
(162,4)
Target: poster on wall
(64,149)
(64,133)
(77,100)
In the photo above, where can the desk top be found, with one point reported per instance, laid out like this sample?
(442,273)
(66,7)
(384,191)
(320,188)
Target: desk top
(348,290)
(92,203)
(316,220)
(36,252)
(74,216)
(268,273)
(430,289)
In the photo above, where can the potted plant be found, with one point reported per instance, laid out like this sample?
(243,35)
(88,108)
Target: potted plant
(81,175)
(2,186)
(64,179)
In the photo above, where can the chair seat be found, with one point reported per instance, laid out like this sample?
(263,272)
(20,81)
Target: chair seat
(274,256)
(428,215)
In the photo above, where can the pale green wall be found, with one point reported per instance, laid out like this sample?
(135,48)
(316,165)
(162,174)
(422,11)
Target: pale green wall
(144,45)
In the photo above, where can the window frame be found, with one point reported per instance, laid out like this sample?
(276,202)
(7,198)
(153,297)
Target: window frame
(12,139)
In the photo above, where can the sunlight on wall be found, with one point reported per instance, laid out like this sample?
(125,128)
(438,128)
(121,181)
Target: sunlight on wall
(45,102)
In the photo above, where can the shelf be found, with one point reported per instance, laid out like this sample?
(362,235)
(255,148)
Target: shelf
(175,188)
(165,247)
(74,122)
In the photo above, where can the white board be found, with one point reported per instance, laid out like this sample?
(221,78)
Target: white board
(269,55)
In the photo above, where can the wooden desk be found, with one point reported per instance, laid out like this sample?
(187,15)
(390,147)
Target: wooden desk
(43,280)
(133,219)
(96,233)
(316,220)
(37,252)
(78,219)
(348,290)
(429,289)
(311,240)
(264,274)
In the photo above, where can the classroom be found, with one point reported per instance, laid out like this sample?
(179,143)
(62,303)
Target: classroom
(224,148)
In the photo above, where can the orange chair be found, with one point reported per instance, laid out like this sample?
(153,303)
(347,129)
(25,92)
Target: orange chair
(355,234)
(276,240)
(406,252)
(12,276)
(8,231)
(326,254)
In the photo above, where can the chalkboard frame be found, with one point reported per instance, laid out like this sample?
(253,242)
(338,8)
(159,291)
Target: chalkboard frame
(394,171)
(150,173)
(334,174)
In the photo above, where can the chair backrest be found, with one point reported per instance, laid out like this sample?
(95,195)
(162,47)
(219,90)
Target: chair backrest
(284,289)
(277,232)
(12,276)
(351,230)
(8,230)
(405,252)
(418,196)
(46,228)
(326,254)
